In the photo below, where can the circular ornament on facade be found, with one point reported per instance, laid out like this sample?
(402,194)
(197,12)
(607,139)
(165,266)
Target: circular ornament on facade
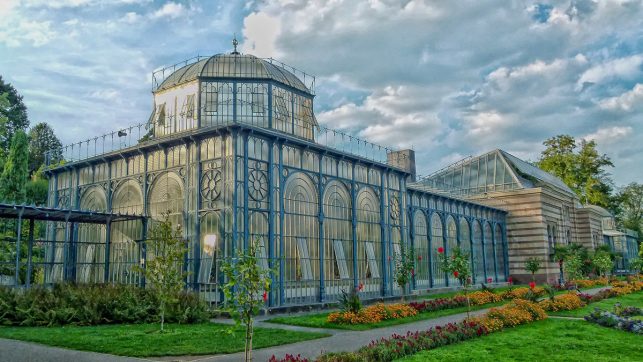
(211,184)
(257,184)
(395,208)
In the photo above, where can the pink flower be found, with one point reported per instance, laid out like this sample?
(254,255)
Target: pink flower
(265,296)
(360,286)
(412,272)
(440,250)
(532,285)
(510,280)
(489,280)
(420,257)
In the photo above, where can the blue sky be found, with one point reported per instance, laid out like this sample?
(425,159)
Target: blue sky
(449,79)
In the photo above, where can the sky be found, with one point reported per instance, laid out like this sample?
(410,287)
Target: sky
(447,78)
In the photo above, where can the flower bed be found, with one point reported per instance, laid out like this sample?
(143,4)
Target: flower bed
(439,304)
(608,319)
(568,301)
(590,283)
(373,314)
(484,297)
(521,293)
(513,314)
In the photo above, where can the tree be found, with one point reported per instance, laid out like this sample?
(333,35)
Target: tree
(14,114)
(458,265)
(532,265)
(245,280)
(15,173)
(163,271)
(404,268)
(603,263)
(41,140)
(630,200)
(583,171)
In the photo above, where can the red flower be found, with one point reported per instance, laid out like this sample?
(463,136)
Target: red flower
(455,273)
(265,296)
(420,257)
(413,272)
(440,250)
(489,280)
(532,285)
(510,280)
(360,287)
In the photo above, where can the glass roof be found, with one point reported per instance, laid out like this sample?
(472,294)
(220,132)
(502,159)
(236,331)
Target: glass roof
(493,171)
(233,66)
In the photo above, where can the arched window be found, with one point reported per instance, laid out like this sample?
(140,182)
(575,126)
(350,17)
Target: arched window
(90,252)
(338,246)
(369,246)
(500,253)
(437,242)
(421,244)
(478,263)
(300,235)
(452,242)
(465,238)
(488,250)
(124,251)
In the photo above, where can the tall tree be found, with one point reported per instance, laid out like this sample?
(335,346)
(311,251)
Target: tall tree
(14,114)
(14,176)
(630,200)
(581,167)
(41,140)
(4,105)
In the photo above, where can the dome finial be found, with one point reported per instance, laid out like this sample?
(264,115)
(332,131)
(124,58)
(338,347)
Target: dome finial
(234,44)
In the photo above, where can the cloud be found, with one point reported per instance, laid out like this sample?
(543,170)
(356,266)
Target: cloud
(170,10)
(609,135)
(34,33)
(626,102)
(621,68)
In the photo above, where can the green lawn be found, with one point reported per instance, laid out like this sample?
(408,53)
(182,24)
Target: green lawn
(144,340)
(634,299)
(548,340)
(319,320)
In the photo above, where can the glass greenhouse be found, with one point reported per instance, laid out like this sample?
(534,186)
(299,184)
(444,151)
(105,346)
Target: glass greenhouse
(233,151)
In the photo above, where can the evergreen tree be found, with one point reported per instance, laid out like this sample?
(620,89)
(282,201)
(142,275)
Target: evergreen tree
(41,140)
(15,173)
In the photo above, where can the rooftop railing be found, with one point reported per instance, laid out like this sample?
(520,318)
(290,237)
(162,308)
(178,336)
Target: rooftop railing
(140,134)
(158,76)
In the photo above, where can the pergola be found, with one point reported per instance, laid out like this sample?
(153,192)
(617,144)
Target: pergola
(42,213)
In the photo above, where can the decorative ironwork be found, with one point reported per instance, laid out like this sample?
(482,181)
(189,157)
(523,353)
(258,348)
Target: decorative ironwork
(395,208)
(211,184)
(257,184)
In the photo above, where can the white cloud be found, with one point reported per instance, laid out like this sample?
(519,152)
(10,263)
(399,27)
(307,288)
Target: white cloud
(627,101)
(32,32)
(170,10)
(609,135)
(131,18)
(621,68)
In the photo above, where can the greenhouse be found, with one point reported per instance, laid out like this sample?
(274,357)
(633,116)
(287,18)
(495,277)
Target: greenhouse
(233,151)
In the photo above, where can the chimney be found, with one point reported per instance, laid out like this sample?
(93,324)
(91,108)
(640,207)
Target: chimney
(403,159)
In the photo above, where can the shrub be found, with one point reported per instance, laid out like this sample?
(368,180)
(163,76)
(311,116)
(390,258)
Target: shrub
(350,302)
(513,314)
(93,304)
(288,358)
(608,319)
(484,297)
(439,304)
(569,301)
(523,293)
(373,314)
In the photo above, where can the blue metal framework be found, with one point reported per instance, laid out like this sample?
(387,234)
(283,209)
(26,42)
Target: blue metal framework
(252,170)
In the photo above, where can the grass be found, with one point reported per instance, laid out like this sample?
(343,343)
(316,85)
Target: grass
(319,320)
(145,340)
(547,340)
(634,299)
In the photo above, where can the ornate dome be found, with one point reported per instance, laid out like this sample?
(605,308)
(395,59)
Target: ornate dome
(233,65)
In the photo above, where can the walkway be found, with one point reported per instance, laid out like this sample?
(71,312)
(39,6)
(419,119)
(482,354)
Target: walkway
(339,341)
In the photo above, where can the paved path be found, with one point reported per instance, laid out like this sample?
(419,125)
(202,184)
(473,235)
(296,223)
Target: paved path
(340,340)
